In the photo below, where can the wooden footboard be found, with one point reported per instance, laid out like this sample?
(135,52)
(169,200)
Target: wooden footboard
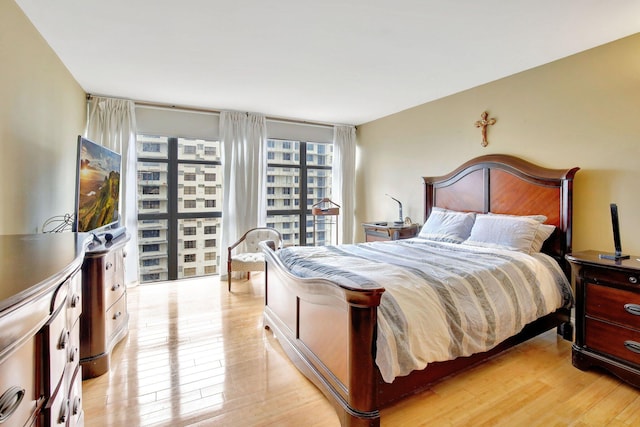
(329,333)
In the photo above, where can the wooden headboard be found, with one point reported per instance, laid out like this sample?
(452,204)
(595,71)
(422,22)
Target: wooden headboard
(509,185)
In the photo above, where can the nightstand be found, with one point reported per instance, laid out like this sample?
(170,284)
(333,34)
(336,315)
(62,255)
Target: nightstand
(607,314)
(379,232)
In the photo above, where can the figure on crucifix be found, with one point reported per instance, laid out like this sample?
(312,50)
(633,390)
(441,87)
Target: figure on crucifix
(483,125)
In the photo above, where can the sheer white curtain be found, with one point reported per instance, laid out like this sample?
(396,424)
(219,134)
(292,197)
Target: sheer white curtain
(112,123)
(243,137)
(344,179)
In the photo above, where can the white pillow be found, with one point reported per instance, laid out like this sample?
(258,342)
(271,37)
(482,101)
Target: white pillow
(543,233)
(540,218)
(503,232)
(445,225)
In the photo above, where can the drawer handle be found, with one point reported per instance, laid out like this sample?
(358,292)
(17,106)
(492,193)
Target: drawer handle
(75,301)
(9,402)
(115,287)
(108,266)
(633,279)
(72,354)
(76,405)
(64,340)
(632,346)
(64,412)
(118,314)
(632,309)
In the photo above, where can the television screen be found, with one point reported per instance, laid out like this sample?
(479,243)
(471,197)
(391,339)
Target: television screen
(97,186)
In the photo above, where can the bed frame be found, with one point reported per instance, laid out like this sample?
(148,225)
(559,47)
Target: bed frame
(329,331)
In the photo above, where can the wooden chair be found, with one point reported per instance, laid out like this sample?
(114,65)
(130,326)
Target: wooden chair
(248,257)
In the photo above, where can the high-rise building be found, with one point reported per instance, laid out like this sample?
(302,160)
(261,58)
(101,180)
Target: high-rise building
(180,201)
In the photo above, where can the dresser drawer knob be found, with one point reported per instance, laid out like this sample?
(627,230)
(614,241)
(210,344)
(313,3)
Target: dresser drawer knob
(633,279)
(632,346)
(117,315)
(9,402)
(115,287)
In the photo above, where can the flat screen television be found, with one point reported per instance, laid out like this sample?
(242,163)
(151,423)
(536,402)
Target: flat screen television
(97,187)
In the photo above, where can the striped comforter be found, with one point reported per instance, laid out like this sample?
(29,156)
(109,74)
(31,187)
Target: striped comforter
(442,300)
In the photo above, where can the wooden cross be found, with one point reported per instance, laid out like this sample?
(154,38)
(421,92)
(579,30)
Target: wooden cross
(483,124)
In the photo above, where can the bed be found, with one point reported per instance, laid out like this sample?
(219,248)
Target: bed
(333,328)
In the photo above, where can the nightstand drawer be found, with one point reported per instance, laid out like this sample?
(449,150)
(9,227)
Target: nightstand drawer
(619,342)
(614,305)
(614,277)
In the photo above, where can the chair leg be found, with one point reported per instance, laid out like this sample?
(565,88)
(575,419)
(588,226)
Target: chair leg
(229,277)
(248,275)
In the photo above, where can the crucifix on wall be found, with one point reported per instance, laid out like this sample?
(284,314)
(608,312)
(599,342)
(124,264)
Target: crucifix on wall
(482,124)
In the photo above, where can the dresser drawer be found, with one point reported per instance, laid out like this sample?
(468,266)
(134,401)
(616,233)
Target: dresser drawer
(115,317)
(76,413)
(113,292)
(614,305)
(74,300)
(57,339)
(17,386)
(73,349)
(614,277)
(56,411)
(616,341)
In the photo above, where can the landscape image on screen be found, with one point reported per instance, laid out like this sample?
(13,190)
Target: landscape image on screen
(98,186)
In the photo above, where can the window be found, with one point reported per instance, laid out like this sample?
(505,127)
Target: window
(148,189)
(304,167)
(151,204)
(149,234)
(150,176)
(150,147)
(178,215)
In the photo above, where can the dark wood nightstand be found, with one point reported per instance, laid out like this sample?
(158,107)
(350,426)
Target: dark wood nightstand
(607,314)
(377,232)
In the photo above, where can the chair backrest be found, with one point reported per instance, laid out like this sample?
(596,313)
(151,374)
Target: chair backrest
(257,235)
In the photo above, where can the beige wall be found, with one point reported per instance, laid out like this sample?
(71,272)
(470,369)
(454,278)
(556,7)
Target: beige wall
(579,111)
(42,111)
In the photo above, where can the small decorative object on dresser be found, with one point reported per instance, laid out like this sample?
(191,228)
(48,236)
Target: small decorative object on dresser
(375,231)
(607,314)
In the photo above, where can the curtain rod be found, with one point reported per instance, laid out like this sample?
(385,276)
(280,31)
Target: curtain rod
(209,111)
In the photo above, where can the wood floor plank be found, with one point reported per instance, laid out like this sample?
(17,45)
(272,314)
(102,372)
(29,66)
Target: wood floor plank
(197,355)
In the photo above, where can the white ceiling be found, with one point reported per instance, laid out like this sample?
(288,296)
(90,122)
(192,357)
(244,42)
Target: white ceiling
(335,61)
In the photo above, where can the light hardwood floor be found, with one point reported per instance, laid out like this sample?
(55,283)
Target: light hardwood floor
(197,355)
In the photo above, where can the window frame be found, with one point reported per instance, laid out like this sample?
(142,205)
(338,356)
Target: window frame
(173,216)
(303,209)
